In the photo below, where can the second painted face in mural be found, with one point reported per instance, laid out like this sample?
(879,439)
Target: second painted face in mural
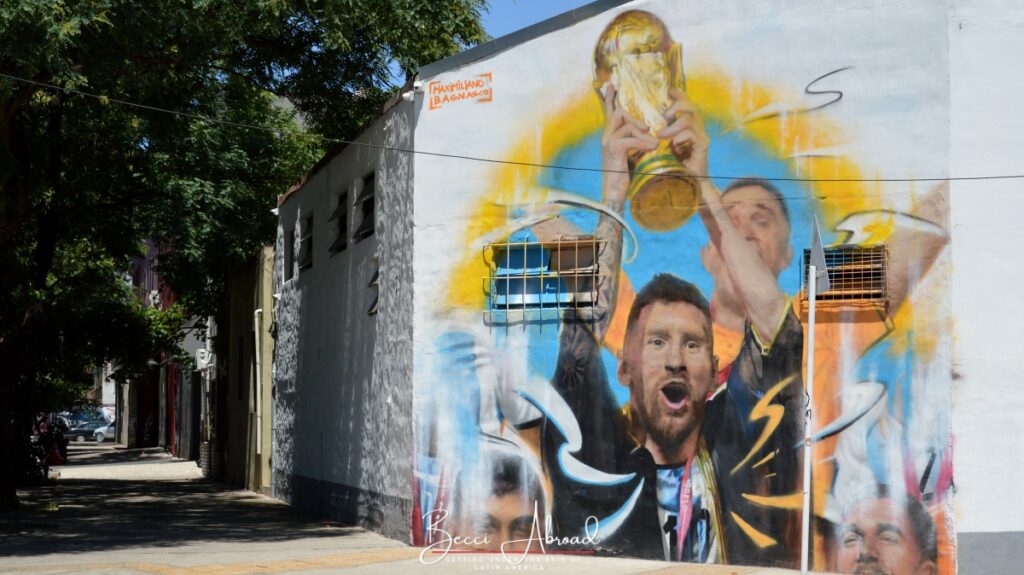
(505,518)
(886,537)
(759,213)
(669,369)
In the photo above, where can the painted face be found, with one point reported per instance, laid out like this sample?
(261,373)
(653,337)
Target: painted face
(669,369)
(757,215)
(878,539)
(507,517)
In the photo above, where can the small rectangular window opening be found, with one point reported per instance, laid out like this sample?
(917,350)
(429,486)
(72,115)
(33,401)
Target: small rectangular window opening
(555,275)
(306,243)
(855,273)
(340,220)
(366,204)
(289,254)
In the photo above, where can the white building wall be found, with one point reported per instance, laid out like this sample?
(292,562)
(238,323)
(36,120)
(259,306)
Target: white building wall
(986,87)
(342,377)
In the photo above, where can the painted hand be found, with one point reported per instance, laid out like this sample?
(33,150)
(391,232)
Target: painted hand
(686,132)
(623,135)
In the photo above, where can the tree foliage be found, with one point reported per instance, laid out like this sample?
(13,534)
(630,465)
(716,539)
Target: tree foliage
(86,180)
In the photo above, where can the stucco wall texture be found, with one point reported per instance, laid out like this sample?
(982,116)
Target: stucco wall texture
(343,377)
(985,139)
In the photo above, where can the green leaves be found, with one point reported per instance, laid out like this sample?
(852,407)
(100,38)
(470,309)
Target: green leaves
(38,34)
(85,181)
(332,58)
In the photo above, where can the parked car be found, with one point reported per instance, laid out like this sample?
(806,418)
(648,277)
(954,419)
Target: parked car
(79,417)
(83,431)
(105,432)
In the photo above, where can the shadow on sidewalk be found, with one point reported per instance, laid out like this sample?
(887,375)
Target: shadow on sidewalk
(102,514)
(86,454)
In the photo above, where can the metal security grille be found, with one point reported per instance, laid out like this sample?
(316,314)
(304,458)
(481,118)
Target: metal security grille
(543,276)
(856,273)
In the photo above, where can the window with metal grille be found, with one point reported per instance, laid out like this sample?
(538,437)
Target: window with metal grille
(289,254)
(306,243)
(367,205)
(855,273)
(557,275)
(340,219)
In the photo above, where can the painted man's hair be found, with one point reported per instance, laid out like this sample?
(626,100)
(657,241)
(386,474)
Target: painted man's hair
(764,184)
(497,475)
(667,288)
(924,529)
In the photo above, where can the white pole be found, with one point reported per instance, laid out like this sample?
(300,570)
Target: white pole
(257,319)
(805,535)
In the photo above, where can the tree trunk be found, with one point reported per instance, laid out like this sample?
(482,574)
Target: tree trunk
(14,206)
(11,467)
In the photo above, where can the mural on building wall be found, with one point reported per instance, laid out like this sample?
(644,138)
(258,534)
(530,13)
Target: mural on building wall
(617,360)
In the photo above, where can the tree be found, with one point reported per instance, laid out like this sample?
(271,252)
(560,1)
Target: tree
(86,180)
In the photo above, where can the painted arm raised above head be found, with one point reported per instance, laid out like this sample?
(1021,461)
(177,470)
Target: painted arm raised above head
(751,277)
(622,135)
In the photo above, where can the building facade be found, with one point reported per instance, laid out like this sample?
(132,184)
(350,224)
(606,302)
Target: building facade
(343,364)
(586,296)
(147,407)
(243,431)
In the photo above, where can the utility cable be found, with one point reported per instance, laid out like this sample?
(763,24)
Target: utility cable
(488,160)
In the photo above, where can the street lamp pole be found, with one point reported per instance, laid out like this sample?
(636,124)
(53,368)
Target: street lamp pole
(805,534)
(814,287)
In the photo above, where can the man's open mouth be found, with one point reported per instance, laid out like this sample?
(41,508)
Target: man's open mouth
(674,395)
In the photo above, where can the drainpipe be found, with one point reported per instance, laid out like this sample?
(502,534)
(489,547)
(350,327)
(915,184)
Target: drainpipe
(208,375)
(257,317)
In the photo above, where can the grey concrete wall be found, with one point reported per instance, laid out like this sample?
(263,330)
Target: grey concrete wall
(990,553)
(342,377)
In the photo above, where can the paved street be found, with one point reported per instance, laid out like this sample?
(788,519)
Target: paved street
(116,511)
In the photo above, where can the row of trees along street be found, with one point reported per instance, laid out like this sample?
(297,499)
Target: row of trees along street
(87,180)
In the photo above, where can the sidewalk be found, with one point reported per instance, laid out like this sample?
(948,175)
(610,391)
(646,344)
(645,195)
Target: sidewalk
(143,512)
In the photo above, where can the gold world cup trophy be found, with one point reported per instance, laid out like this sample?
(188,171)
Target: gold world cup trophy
(636,54)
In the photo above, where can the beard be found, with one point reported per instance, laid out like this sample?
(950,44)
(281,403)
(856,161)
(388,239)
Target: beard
(667,429)
(668,432)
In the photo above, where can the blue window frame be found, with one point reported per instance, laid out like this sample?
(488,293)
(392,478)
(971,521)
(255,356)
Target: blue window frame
(530,275)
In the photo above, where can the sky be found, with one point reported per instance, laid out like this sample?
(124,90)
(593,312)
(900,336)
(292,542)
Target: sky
(507,16)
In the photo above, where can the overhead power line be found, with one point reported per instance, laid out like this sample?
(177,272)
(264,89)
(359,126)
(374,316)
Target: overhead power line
(481,159)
